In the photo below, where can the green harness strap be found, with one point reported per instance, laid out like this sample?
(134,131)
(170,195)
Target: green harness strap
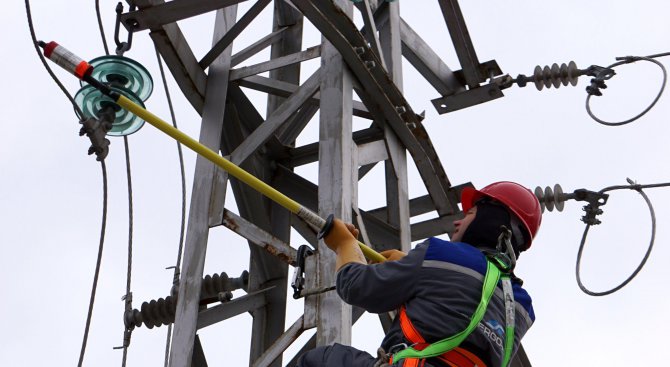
(491,278)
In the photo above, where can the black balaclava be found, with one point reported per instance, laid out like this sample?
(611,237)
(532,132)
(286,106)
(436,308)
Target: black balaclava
(484,229)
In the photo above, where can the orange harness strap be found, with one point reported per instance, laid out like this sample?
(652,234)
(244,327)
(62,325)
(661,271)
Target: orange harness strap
(457,357)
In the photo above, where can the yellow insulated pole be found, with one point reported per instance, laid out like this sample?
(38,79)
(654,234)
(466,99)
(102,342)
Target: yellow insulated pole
(235,171)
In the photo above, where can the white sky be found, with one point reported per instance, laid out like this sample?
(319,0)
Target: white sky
(51,193)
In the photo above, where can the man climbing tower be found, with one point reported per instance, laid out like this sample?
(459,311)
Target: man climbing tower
(453,311)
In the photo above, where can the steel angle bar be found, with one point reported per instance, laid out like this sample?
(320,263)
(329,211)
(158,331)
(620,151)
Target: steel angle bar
(259,237)
(310,153)
(288,133)
(460,37)
(256,47)
(280,345)
(434,185)
(237,306)
(198,230)
(153,14)
(178,56)
(356,313)
(371,34)
(235,31)
(372,152)
(417,206)
(434,227)
(285,89)
(308,54)
(335,25)
(246,116)
(266,130)
(427,62)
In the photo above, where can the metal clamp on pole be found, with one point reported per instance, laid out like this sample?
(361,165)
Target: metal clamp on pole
(96,130)
(298,282)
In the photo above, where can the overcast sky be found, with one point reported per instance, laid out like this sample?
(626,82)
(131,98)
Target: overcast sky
(51,191)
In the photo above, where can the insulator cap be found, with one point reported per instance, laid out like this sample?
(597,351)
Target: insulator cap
(551,199)
(156,313)
(552,76)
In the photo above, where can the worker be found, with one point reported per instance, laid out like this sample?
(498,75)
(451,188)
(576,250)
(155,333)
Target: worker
(438,285)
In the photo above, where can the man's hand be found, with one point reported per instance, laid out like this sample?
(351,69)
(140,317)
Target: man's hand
(341,234)
(342,240)
(390,255)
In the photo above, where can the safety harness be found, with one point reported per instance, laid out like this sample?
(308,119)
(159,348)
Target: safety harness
(498,268)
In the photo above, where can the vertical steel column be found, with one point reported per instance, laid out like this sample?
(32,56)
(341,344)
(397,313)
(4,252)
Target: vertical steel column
(198,222)
(397,196)
(336,181)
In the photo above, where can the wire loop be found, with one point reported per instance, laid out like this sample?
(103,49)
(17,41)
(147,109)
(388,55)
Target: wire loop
(601,84)
(638,188)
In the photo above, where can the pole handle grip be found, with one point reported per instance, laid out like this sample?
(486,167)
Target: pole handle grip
(326,227)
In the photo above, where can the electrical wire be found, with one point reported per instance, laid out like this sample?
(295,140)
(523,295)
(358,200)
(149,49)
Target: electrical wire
(103,225)
(130,236)
(637,188)
(628,60)
(77,110)
(183,197)
(97,264)
(100,27)
(128,295)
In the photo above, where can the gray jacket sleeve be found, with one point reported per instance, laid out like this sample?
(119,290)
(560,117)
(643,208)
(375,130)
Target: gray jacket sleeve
(381,287)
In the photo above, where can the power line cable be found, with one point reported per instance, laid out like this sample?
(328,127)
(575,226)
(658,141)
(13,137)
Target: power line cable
(183,197)
(128,296)
(77,110)
(97,264)
(102,29)
(599,82)
(103,225)
(638,188)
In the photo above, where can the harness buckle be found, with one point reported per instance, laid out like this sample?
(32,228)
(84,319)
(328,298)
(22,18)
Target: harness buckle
(397,348)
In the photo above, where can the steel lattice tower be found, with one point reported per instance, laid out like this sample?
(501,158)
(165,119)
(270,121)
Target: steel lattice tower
(366,61)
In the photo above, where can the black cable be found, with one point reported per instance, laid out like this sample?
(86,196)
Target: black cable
(183,197)
(77,110)
(628,60)
(102,30)
(130,235)
(637,188)
(98,263)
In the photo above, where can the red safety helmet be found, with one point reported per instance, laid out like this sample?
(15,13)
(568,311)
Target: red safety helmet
(518,199)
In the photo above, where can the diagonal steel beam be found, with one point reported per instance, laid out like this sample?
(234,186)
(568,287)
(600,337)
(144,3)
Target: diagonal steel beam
(462,42)
(259,237)
(278,117)
(246,303)
(384,95)
(235,31)
(284,89)
(371,33)
(257,47)
(308,54)
(162,13)
(280,345)
(178,56)
(427,62)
